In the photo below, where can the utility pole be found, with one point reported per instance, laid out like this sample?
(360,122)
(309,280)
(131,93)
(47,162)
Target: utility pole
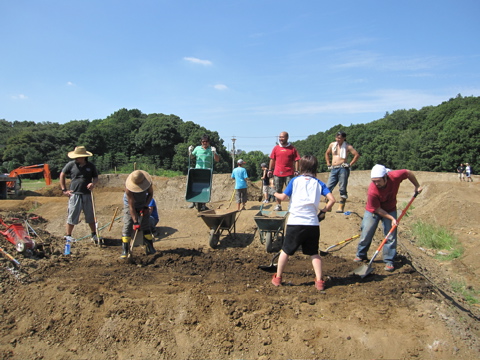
(233,152)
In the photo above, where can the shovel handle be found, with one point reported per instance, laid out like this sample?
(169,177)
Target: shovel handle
(404,211)
(113,219)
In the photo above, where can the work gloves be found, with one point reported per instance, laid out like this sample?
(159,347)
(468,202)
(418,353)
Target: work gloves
(330,167)
(214,150)
(190,149)
(270,173)
(346,165)
(136,226)
(321,216)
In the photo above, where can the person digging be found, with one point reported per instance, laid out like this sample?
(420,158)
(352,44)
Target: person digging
(136,213)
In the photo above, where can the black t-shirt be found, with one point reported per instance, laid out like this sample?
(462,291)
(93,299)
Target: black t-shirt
(266,180)
(81,176)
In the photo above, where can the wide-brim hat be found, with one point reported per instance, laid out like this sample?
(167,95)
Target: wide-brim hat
(138,181)
(79,151)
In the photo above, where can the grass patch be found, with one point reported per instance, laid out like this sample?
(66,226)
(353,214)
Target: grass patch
(409,211)
(33,185)
(469,293)
(437,238)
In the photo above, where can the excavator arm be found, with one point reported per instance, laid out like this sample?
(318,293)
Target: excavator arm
(31,169)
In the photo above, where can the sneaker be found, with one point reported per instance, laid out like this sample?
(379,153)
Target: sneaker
(278,208)
(69,238)
(360,259)
(265,201)
(277,281)
(319,284)
(191,206)
(389,267)
(95,239)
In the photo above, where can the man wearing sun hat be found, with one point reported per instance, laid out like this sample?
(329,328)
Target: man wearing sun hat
(136,213)
(382,206)
(84,176)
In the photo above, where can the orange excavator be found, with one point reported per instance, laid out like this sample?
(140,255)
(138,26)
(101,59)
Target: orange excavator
(29,170)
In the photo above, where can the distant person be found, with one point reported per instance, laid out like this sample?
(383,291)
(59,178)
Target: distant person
(136,212)
(305,192)
(468,172)
(240,175)
(339,166)
(271,185)
(205,155)
(265,182)
(382,206)
(461,171)
(84,176)
(153,215)
(283,165)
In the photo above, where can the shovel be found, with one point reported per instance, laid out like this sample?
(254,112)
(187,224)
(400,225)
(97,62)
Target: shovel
(233,194)
(133,241)
(96,221)
(272,267)
(323,253)
(364,270)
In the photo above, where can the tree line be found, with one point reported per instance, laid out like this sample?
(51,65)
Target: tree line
(434,138)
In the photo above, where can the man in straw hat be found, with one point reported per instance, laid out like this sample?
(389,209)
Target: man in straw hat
(382,206)
(136,213)
(84,176)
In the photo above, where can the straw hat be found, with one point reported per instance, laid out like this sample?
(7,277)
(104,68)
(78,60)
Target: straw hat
(79,151)
(138,181)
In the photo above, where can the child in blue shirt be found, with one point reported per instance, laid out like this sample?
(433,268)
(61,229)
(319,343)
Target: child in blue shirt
(240,175)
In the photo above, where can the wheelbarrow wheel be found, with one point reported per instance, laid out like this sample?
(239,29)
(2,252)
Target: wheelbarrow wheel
(268,242)
(214,239)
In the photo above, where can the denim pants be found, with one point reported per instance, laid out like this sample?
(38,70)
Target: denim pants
(369,225)
(339,176)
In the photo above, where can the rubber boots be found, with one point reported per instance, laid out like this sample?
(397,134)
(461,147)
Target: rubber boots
(148,241)
(341,205)
(125,244)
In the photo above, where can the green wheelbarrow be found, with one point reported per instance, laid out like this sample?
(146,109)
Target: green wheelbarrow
(199,186)
(271,225)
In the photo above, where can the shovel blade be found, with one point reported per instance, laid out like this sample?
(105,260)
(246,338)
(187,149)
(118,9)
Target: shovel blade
(268,268)
(363,271)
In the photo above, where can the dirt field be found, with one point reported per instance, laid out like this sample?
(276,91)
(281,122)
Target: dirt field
(189,301)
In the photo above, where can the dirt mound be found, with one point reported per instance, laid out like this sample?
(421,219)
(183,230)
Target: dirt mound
(191,301)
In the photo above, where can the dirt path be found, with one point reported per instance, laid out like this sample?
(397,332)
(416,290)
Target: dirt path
(189,301)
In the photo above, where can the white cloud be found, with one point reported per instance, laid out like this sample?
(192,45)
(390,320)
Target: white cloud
(221,87)
(20,97)
(374,102)
(198,61)
(69,83)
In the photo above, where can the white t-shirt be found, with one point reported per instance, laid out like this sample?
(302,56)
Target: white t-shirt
(305,194)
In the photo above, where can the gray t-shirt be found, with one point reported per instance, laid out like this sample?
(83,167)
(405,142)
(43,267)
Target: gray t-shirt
(81,176)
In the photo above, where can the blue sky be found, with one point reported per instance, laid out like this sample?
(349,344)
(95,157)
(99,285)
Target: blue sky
(248,69)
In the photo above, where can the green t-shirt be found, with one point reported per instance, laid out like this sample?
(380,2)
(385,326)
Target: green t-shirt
(204,157)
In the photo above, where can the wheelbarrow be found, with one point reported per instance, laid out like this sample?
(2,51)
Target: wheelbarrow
(18,236)
(199,185)
(218,222)
(271,226)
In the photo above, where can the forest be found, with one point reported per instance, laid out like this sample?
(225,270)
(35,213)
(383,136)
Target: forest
(434,138)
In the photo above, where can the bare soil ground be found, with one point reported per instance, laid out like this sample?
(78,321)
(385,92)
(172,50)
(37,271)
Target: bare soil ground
(189,301)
